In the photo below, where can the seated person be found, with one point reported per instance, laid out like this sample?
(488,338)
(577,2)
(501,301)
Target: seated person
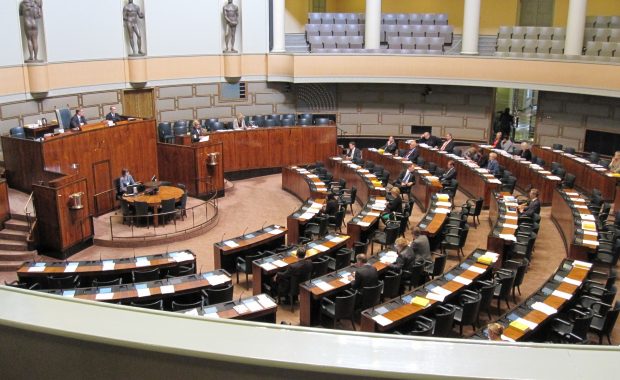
(496,144)
(482,160)
(125,180)
(395,203)
(113,116)
(495,331)
(295,273)
(614,165)
(429,140)
(405,180)
(448,145)
(78,119)
(239,122)
(420,246)
(526,153)
(507,145)
(472,154)
(493,164)
(365,275)
(532,206)
(353,152)
(413,152)
(449,175)
(404,261)
(331,206)
(390,146)
(197,132)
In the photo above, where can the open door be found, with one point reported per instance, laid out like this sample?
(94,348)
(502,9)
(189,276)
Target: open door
(139,103)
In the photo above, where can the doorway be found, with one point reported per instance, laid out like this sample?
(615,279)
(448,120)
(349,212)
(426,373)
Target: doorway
(523,106)
(536,12)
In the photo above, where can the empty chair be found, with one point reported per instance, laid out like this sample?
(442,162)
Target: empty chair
(407,42)
(504,32)
(180,128)
(557,147)
(391,285)
(389,19)
(402,19)
(446,32)
(444,319)
(314,18)
(614,22)
(604,325)
(356,42)
(530,46)
(64,281)
(545,33)
(441,19)
(503,45)
(531,32)
(327,18)
(569,181)
(176,306)
(329,42)
(111,282)
(164,131)
(418,31)
(415,18)
(432,31)
(559,33)
(387,237)
(352,18)
(557,47)
(319,266)
(575,329)
(421,43)
(422,326)
(342,42)
(428,19)
(505,279)
(389,31)
(312,30)
(437,267)
(405,30)
(608,49)
(315,42)
(218,294)
(218,126)
(602,34)
(342,307)
(517,45)
(370,296)
(155,305)
(518,32)
(340,18)
(321,121)
(144,275)
(352,30)
(614,35)
(589,33)
(467,309)
(602,21)
(339,30)
(436,43)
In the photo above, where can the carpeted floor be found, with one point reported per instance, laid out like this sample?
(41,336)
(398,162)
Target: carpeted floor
(250,204)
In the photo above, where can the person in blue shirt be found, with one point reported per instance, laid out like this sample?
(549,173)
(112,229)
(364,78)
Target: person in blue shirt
(126,180)
(493,165)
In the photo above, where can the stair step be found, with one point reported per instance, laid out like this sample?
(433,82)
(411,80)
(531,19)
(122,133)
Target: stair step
(21,217)
(17,256)
(13,235)
(12,245)
(17,225)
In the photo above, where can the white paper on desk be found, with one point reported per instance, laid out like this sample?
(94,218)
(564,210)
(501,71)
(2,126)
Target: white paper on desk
(204,139)
(576,200)
(507,339)
(434,297)
(312,176)
(462,280)
(321,248)
(513,226)
(265,301)
(193,312)
(511,217)
(544,308)
(389,258)
(71,267)
(591,242)
(482,170)
(531,325)
(378,207)
(253,306)
(561,294)
(108,265)
(142,262)
(337,239)
(507,237)
(344,280)
(423,171)
(166,289)
(444,204)
(307,215)
(442,211)
(589,217)
(211,315)
(268,266)
(600,169)
(476,269)
(544,172)
(220,279)
(104,296)
(241,309)
(231,244)
(380,319)
(275,231)
(380,188)
(511,204)
(581,206)
(583,264)
(280,263)
(571,281)
(363,224)
(494,180)
(554,177)
(316,206)
(182,257)
(144,292)
(441,291)
(324,286)
(37,268)
(375,214)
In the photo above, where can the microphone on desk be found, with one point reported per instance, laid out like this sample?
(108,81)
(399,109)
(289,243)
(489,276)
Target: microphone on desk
(222,240)
(263,226)
(241,295)
(100,259)
(243,234)
(200,270)
(134,254)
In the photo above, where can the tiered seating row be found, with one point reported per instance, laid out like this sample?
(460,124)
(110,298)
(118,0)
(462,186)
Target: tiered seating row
(386,18)
(603,22)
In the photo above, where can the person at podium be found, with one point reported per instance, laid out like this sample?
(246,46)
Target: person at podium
(78,119)
(126,180)
(113,116)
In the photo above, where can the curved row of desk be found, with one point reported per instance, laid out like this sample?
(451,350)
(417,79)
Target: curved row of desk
(503,219)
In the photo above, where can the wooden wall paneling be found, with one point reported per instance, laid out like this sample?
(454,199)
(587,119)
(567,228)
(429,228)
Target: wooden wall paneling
(230,149)
(285,146)
(177,165)
(23,162)
(252,149)
(139,103)
(319,143)
(5,208)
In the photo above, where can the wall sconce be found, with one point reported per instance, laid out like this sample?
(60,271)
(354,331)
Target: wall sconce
(75,201)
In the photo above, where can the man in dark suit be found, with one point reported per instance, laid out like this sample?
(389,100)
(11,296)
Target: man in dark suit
(420,246)
(365,275)
(390,146)
(413,152)
(353,152)
(405,180)
(493,164)
(113,116)
(405,258)
(448,145)
(532,206)
(296,273)
(429,140)
(78,119)
(449,175)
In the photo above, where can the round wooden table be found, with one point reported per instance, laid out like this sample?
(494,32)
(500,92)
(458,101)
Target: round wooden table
(154,201)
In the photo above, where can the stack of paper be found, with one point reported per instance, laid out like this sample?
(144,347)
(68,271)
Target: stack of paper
(142,262)
(265,301)
(544,308)
(71,267)
(420,301)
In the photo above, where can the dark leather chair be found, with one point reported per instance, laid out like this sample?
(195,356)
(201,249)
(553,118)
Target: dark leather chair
(348,197)
(319,266)
(168,211)
(505,279)
(144,275)
(176,306)
(436,267)
(370,296)
(467,310)
(155,305)
(244,265)
(164,131)
(64,281)
(573,327)
(218,294)
(112,282)
(413,276)
(316,228)
(444,320)
(455,239)
(387,237)
(143,215)
(342,307)
(342,259)
(422,326)
(391,285)
(604,325)
(475,211)
(17,132)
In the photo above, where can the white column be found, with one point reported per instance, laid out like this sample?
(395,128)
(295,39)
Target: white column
(278,9)
(575,27)
(372,39)
(471,27)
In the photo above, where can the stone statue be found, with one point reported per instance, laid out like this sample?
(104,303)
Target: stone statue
(231,14)
(30,10)
(131,14)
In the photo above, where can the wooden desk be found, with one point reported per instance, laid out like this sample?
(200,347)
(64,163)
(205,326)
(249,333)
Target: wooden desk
(473,181)
(391,314)
(268,266)
(588,175)
(275,147)
(152,290)
(527,174)
(530,312)
(154,200)
(260,308)
(33,133)
(32,272)
(296,222)
(435,218)
(312,292)
(225,253)
(503,219)
(302,183)
(361,226)
(575,223)
(367,184)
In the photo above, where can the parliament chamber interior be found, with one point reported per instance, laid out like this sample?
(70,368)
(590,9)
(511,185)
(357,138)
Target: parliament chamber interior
(300,188)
